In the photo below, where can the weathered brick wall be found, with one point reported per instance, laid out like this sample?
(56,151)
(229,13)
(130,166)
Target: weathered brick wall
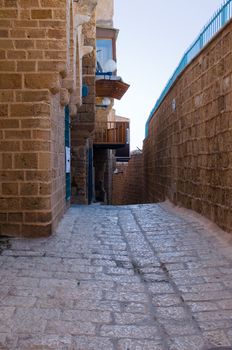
(83,123)
(188,153)
(118,190)
(128,182)
(35,86)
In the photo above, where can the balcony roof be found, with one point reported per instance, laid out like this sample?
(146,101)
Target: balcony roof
(111,88)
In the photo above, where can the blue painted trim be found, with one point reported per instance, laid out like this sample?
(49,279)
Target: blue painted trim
(104,73)
(67,144)
(219,19)
(85,91)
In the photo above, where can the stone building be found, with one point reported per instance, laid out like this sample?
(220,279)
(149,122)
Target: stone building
(47,96)
(111,134)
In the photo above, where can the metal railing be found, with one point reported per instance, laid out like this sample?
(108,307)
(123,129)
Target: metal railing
(110,133)
(219,19)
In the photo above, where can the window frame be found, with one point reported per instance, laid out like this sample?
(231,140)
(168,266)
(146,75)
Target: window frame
(108,34)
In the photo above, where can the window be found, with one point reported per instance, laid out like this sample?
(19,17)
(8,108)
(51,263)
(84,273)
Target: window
(106,46)
(104,52)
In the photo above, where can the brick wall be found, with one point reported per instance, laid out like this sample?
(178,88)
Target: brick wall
(35,84)
(83,123)
(128,182)
(188,153)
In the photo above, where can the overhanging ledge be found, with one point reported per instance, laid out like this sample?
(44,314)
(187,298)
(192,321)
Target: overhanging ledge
(111,88)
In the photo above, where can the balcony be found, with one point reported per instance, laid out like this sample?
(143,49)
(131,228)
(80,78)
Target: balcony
(111,135)
(111,88)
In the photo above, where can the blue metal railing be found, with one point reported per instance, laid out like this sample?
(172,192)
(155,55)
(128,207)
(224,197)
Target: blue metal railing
(219,19)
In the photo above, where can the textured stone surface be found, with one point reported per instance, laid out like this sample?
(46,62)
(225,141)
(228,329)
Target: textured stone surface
(188,154)
(105,281)
(33,140)
(40,73)
(128,187)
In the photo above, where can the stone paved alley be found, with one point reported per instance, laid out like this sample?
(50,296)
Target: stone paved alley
(145,277)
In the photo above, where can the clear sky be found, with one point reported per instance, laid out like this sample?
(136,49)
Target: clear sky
(154,34)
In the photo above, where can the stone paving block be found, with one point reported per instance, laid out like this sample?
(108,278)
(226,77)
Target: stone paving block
(188,281)
(4,290)
(119,271)
(134,307)
(31,321)
(217,338)
(207,296)
(213,315)
(154,280)
(98,305)
(129,331)
(57,283)
(132,318)
(130,287)
(179,328)
(215,325)
(172,313)
(161,288)
(11,300)
(201,288)
(7,341)
(6,314)
(78,293)
(70,328)
(175,266)
(101,262)
(92,343)
(195,273)
(116,278)
(130,344)
(44,341)
(166,300)
(202,306)
(193,342)
(225,304)
(228,284)
(126,296)
(155,277)
(85,315)
(35,274)
(229,334)
(50,302)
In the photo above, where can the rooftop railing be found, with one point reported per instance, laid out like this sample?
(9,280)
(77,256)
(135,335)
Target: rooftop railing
(219,19)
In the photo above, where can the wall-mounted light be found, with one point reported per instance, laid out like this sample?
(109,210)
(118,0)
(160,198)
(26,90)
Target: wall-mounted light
(106,101)
(116,171)
(103,102)
(173,104)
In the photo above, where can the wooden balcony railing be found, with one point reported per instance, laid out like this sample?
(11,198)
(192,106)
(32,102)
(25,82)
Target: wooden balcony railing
(111,133)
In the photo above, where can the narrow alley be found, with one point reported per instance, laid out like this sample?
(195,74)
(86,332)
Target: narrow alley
(142,277)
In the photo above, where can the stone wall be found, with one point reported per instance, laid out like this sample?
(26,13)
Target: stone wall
(36,82)
(84,122)
(128,181)
(188,153)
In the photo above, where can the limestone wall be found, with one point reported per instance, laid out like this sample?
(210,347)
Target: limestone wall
(39,76)
(188,153)
(83,123)
(105,13)
(128,182)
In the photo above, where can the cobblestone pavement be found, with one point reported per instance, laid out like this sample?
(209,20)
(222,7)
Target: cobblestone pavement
(118,278)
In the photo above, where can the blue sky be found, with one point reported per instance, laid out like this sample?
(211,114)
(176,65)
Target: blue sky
(154,34)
